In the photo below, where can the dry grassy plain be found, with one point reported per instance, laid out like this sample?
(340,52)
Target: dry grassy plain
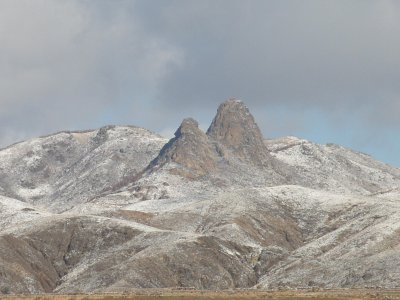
(223,295)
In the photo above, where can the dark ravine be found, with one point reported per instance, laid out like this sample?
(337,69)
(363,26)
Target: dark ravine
(121,208)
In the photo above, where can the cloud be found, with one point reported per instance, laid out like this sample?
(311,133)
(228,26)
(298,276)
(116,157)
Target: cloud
(324,70)
(315,64)
(335,55)
(66,63)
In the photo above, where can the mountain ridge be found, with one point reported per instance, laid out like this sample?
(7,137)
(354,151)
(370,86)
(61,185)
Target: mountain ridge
(121,207)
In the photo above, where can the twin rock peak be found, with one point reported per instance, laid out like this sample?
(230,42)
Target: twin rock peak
(233,134)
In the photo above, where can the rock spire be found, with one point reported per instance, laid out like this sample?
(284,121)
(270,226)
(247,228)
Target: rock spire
(190,148)
(235,128)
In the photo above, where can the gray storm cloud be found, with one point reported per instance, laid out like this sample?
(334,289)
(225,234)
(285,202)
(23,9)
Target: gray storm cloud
(330,54)
(66,64)
(77,64)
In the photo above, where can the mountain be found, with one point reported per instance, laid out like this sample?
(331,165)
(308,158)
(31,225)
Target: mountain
(190,149)
(234,127)
(121,207)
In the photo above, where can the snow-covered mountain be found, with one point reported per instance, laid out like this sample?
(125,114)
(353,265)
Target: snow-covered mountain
(121,208)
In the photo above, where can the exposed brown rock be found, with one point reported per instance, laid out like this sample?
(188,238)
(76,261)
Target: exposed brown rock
(235,128)
(37,261)
(98,219)
(191,149)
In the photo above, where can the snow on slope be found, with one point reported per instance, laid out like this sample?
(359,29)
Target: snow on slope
(361,250)
(61,170)
(332,167)
(15,212)
(88,211)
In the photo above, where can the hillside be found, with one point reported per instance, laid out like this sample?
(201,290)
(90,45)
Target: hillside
(121,208)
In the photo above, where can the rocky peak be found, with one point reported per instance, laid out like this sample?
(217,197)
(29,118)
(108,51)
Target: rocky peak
(191,149)
(235,128)
(188,126)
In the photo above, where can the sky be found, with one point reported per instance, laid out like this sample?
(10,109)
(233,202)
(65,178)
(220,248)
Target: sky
(326,71)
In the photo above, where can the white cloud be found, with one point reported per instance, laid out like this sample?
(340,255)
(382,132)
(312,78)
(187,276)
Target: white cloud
(74,64)
(67,61)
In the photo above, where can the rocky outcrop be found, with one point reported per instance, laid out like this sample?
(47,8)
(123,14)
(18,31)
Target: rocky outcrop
(234,127)
(191,149)
(233,135)
(120,208)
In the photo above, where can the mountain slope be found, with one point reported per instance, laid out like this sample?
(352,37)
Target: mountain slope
(333,168)
(61,170)
(121,208)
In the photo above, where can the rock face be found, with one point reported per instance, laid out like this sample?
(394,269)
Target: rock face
(191,149)
(234,127)
(233,138)
(121,208)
